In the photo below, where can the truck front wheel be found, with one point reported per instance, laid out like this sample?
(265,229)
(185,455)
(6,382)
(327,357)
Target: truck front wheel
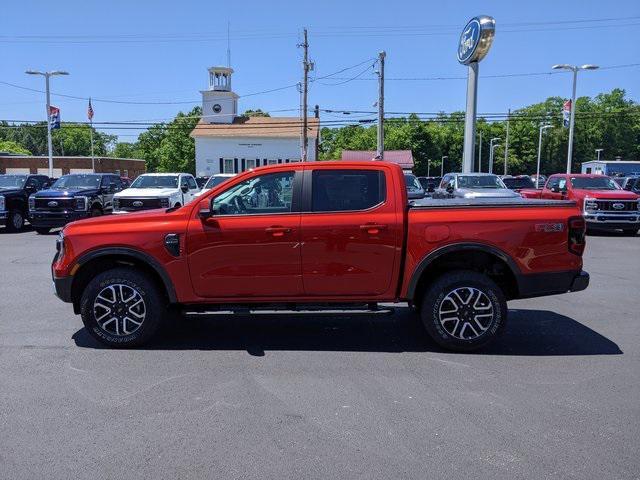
(122,308)
(464,310)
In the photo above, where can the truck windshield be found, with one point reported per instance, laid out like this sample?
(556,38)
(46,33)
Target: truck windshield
(594,183)
(518,182)
(412,183)
(215,181)
(77,181)
(12,181)
(155,181)
(480,181)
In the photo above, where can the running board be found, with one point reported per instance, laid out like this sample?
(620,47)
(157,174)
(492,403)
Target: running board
(302,311)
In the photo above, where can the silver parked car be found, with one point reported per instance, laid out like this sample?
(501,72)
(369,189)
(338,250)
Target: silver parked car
(473,185)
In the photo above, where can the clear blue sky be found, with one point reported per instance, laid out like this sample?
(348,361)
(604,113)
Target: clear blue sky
(146,51)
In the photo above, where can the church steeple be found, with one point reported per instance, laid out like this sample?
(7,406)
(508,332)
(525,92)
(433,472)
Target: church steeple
(219,102)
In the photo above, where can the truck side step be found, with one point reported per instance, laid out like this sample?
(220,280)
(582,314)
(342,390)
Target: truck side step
(290,311)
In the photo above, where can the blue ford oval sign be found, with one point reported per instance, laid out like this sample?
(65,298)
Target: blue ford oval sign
(476,39)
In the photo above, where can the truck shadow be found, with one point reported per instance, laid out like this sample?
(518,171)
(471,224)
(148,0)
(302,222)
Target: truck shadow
(530,332)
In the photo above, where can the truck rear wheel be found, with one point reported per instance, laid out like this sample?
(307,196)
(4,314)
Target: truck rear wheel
(122,308)
(15,222)
(464,310)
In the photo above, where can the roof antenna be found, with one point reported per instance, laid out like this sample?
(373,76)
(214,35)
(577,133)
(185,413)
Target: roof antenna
(228,45)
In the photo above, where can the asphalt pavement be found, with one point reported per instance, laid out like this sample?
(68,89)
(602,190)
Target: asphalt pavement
(558,396)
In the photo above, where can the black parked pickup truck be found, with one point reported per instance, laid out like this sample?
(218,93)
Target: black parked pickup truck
(14,198)
(73,197)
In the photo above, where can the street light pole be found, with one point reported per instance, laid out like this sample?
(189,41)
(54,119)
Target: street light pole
(572,118)
(542,128)
(598,150)
(46,76)
(428,166)
(442,166)
(491,146)
(480,153)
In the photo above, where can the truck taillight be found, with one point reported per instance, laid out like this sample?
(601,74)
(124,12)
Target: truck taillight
(577,231)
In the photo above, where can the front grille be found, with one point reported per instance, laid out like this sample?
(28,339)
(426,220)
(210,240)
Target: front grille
(140,203)
(61,204)
(607,205)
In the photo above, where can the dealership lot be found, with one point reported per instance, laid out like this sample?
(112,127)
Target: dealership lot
(332,397)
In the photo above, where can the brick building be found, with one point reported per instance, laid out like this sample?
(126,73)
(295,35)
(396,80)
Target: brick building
(126,167)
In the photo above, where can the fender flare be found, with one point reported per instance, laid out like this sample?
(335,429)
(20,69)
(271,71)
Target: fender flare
(138,255)
(459,247)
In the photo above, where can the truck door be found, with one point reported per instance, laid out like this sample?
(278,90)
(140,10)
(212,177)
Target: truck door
(250,246)
(351,235)
(556,189)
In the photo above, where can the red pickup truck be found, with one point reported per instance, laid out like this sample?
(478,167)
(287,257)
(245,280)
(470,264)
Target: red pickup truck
(605,205)
(321,235)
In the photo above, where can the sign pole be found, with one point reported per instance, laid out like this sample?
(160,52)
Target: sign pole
(470,119)
(474,44)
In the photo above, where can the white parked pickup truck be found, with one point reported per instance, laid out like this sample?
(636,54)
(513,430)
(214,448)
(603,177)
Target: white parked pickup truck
(156,190)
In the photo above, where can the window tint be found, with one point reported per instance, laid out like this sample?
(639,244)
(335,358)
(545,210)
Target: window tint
(192,183)
(340,190)
(271,193)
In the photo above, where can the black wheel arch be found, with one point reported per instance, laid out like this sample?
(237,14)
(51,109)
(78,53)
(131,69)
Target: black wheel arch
(111,257)
(430,262)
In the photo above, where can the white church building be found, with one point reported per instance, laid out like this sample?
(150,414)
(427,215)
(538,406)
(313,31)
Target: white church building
(229,143)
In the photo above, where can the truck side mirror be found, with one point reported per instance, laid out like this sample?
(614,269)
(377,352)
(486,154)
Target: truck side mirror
(450,189)
(184,189)
(555,189)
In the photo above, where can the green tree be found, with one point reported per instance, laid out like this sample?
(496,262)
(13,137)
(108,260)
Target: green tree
(255,113)
(10,146)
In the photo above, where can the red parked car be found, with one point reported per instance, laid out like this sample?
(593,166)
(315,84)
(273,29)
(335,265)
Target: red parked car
(317,235)
(605,205)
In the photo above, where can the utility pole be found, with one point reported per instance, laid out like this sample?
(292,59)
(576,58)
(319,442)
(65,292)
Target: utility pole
(442,165)
(480,153)
(491,148)
(598,151)
(542,129)
(428,167)
(305,87)
(380,152)
(506,143)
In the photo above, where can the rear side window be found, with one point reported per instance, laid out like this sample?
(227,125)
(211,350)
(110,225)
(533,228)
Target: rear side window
(343,190)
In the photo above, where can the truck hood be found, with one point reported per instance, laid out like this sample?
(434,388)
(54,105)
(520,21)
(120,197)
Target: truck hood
(61,193)
(486,193)
(609,194)
(10,191)
(146,192)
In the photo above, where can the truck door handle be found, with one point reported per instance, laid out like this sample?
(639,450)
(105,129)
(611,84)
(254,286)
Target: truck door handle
(277,231)
(373,228)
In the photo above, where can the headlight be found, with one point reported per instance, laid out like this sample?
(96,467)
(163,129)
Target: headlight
(2,204)
(60,245)
(32,203)
(164,202)
(590,204)
(81,203)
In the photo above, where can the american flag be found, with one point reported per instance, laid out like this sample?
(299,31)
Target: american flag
(90,111)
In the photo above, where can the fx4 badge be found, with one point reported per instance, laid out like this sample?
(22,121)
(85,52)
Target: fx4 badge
(549,227)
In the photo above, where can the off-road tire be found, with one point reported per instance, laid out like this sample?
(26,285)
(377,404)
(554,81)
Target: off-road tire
(154,303)
(437,301)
